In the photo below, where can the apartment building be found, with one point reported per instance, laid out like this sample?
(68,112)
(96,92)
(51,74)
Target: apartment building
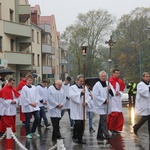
(29,41)
(50,20)
(63,54)
(15,35)
(36,34)
(47,48)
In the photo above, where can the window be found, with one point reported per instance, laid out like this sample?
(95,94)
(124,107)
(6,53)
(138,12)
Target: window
(32,35)
(11,12)
(38,60)
(0,11)
(12,45)
(38,37)
(0,43)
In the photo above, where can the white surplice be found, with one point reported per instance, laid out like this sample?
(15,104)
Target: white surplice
(76,102)
(142,102)
(6,108)
(42,94)
(55,97)
(66,91)
(28,96)
(99,97)
(115,103)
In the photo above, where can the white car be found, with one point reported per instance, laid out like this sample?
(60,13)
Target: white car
(125,97)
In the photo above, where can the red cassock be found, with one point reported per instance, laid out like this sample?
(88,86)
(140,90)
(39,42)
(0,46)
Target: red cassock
(8,121)
(115,119)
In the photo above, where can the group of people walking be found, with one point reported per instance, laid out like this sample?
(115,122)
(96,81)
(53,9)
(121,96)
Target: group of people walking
(31,100)
(104,100)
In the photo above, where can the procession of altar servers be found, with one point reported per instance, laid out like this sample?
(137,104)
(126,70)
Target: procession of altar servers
(105,97)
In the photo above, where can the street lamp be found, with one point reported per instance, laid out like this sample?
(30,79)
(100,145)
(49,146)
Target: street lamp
(110,42)
(140,59)
(84,52)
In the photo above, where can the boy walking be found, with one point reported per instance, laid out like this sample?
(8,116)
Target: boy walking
(29,102)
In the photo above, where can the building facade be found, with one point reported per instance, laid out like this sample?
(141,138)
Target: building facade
(30,42)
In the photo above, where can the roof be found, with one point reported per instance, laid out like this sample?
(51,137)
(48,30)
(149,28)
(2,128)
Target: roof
(35,8)
(48,20)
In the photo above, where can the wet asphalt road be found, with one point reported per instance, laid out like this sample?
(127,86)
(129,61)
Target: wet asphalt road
(127,140)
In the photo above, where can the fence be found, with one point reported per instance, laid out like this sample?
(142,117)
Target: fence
(10,136)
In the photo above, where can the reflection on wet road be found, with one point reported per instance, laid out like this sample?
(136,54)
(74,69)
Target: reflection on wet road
(127,140)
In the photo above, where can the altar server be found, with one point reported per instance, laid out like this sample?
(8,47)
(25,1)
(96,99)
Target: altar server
(29,100)
(142,103)
(56,100)
(9,103)
(100,102)
(76,93)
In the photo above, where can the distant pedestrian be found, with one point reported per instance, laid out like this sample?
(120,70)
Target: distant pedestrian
(90,110)
(132,88)
(29,100)
(142,104)
(115,118)
(65,87)
(42,89)
(55,102)
(100,102)
(9,102)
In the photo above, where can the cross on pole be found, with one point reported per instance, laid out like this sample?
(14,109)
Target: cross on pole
(110,42)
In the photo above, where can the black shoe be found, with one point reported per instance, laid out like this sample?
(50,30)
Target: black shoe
(81,142)
(1,134)
(48,125)
(101,138)
(108,137)
(134,129)
(115,132)
(23,122)
(61,137)
(54,139)
(40,126)
(75,140)
(91,130)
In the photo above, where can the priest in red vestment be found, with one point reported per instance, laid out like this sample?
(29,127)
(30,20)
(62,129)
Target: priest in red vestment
(115,118)
(9,101)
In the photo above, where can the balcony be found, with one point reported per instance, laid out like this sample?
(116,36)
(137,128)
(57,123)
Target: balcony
(64,47)
(48,49)
(63,61)
(17,29)
(45,27)
(18,58)
(47,70)
(24,13)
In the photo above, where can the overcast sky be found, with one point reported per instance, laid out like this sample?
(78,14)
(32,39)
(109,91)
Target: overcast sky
(66,11)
